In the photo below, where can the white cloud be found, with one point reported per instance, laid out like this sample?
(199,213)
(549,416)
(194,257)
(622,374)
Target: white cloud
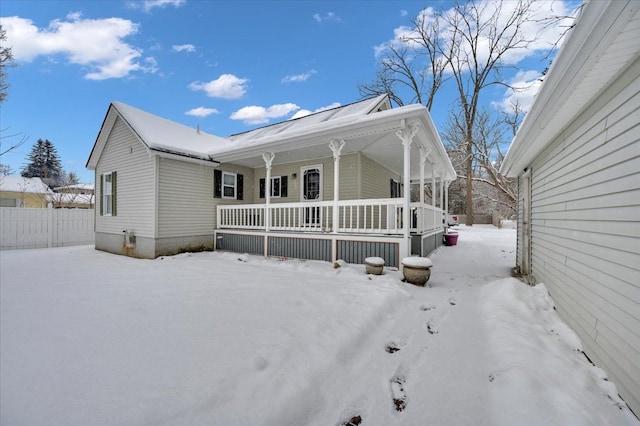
(184,47)
(257,115)
(77,39)
(305,112)
(327,17)
(543,36)
(298,78)
(525,87)
(148,5)
(227,86)
(202,112)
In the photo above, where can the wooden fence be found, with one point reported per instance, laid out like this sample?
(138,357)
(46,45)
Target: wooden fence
(37,228)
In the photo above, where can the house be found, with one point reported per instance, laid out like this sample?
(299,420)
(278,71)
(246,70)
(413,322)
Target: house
(327,186)
(18,191)
(79,195)
(577,160)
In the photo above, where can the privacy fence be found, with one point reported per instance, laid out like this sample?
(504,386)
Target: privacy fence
(37,228)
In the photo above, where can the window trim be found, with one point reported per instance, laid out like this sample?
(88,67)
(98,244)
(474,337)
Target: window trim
(234,186)
(106,205)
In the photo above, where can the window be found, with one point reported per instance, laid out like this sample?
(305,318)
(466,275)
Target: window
(396,191)
(228,185)
(278,187)
(108,192)
(10,202)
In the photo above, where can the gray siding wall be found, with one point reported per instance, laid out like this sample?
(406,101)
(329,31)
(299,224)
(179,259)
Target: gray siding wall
(586,230)
(185,199)
(375,179)
(360,178)
(135,191)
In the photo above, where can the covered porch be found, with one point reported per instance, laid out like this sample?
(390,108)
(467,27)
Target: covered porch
(326,224)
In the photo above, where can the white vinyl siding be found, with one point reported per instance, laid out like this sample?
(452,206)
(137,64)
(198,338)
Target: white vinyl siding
(186,205)
(128,157)
(586,231)
(375,179)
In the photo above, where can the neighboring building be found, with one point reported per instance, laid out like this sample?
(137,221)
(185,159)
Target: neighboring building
(577,159)
(80,195)
(163,188)
(18,191)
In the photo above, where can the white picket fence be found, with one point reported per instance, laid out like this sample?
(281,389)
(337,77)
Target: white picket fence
(37,228)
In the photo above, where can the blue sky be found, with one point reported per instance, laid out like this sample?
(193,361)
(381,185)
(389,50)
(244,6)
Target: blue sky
(228,66)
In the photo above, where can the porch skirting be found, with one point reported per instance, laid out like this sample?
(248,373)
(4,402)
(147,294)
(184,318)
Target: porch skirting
(326,247)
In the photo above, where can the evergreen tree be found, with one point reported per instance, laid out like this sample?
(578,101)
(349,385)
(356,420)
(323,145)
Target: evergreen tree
(44,162)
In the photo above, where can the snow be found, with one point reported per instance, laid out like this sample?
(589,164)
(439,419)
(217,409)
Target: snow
(374,261)
(417,262)
(220,338)
(23,185)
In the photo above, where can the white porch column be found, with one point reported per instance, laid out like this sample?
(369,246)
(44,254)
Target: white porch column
(441,190)
(406,135)
(433,185)
(446,197)
(424,153)
(336,147)
(268,159)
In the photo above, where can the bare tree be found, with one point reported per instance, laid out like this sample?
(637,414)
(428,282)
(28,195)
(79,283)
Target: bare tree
(469,43)
(6,60)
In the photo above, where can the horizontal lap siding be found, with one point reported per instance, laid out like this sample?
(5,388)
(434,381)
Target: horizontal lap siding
(186,206)
(586,231)
(375,179)
(126,155)
(185,199)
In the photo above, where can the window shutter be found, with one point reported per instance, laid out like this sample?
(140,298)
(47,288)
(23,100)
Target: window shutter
(114,193)
(391,192)
(283,186)
(217,184)
(262,187)
(101,195)
(239,186)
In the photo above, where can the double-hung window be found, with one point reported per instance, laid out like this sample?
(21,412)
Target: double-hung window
(277,189)
(108,190)
(229,185)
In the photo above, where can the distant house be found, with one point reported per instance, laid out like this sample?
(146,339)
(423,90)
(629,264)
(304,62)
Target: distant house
(577,159)
(18,191)
(326,186)
(80,195)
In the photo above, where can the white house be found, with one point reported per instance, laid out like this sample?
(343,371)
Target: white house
(326,186)
(577,159)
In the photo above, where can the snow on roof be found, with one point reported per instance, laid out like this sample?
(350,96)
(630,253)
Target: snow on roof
(165,135)
(80,186)
(299,125)
(24,185)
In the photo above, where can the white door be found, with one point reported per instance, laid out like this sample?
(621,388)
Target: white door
(311,190)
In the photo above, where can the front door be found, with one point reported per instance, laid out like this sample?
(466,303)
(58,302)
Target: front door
(311,190)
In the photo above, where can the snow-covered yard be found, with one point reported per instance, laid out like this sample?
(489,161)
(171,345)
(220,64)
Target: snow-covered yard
(90,338)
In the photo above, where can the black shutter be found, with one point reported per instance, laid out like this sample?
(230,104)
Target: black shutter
(114,193)
(239,188)
(217,184)
(283,186)
(391,192)
(262,183)
(101,195)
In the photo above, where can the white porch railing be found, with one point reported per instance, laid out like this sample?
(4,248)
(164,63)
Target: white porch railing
(375,216)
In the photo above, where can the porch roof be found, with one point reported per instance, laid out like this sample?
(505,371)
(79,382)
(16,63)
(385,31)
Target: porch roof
(372,134)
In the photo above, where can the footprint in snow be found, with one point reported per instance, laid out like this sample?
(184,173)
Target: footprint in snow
(452,301)
(427,307)
(353,421)
(398,393)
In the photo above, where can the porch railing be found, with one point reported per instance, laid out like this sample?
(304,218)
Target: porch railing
(375,216)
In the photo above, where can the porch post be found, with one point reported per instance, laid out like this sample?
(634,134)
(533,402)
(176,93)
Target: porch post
(441,190)
(336,147)
(433,185)
(446,197)
(268,159)
(406,134)
(424,153)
